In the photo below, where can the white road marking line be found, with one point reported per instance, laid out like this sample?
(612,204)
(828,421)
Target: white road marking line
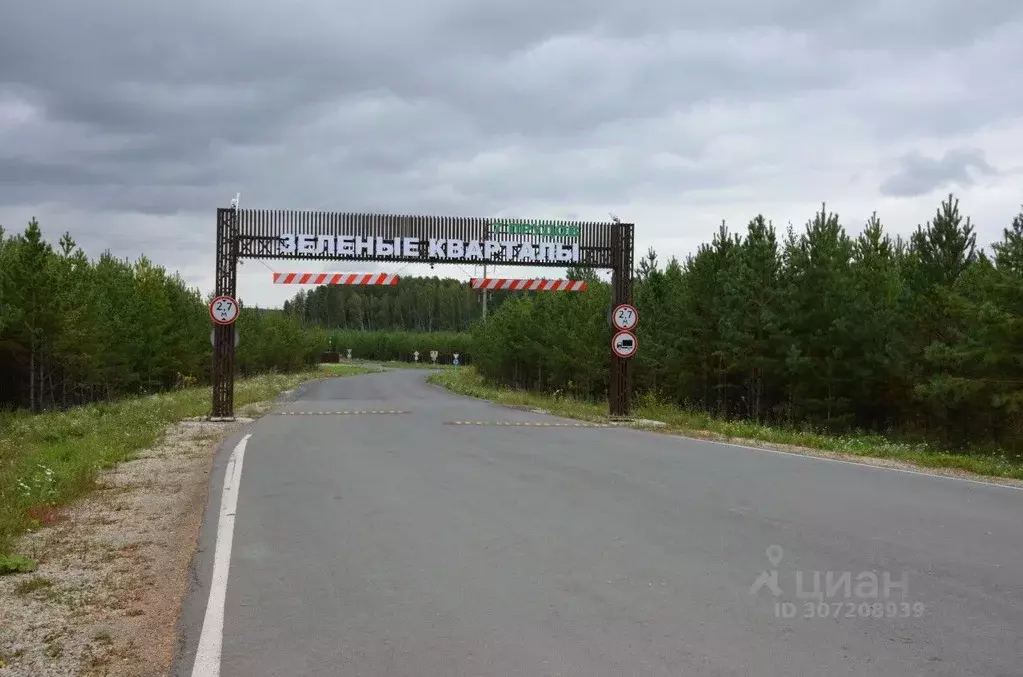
(207,656)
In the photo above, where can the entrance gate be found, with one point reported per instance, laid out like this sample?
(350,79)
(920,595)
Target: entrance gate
(305,235)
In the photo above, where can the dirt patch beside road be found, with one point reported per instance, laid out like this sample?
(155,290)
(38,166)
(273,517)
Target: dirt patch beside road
(113,568)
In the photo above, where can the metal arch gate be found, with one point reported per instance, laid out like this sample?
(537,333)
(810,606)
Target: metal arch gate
(306,235)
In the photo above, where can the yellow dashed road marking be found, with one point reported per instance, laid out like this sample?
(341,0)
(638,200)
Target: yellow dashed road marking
(529,424)
(339,413)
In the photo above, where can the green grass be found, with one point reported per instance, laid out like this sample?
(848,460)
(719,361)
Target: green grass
(30,585)
(468,382)
(348,369)
(375,365)
(415,365)
(49,459)
(16,564)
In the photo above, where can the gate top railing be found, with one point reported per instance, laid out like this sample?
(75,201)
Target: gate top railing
(291,234)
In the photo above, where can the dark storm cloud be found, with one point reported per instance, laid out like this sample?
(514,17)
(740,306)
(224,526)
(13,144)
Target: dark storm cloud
(920,175)
(162,108)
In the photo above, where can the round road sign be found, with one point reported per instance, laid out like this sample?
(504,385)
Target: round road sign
(625,317)
(224,310)
(624,344)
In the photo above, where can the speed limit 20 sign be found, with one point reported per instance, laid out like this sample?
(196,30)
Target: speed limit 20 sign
(624,317)
(224,310)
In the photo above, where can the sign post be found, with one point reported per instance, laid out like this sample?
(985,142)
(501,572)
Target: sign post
(415,356)
(455,361)
(349,353)
(224,339)
(433,356)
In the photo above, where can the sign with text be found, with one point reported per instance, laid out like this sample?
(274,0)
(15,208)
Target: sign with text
(541,229)
(625,317)
(224,310)
(440,249)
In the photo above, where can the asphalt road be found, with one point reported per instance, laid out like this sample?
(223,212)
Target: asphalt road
(397,544)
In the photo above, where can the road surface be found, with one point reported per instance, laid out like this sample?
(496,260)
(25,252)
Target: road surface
(404,544)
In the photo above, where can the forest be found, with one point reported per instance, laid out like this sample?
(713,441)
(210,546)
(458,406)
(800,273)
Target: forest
(919,338)
(75,330)
(417,304)
(817,327)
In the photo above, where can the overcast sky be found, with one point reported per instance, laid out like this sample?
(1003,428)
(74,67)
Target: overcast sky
(128,123)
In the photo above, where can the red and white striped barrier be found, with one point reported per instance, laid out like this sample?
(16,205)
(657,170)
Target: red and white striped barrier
(527,284)
(336,278)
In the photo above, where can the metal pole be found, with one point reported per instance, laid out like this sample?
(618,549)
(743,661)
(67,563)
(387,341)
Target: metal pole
(484,292)
(620,387)
(223,335)
(486,235)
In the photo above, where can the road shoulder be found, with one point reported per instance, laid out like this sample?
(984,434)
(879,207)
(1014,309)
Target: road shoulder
(474,387)
(113,571)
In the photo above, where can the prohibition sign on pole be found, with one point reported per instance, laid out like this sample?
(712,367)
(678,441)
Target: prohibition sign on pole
(624,344)
(625,317)
(224,310)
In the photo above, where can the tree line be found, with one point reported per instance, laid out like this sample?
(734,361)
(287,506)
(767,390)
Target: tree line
(819,327)
(416,304)
(75,330)
(401,346)
(920,337)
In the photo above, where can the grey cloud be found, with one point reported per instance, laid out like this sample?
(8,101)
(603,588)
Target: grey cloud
(168,109)
(910,25)
(920,175)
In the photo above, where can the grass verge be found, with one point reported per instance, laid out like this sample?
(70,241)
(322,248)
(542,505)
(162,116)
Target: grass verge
(348,368)
(49,459)
(467,381)
(388,364)
(414,365)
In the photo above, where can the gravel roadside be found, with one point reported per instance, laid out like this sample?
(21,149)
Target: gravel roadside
(113,567)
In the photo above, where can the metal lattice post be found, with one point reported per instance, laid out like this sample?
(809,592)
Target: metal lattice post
(620,390)
(223,335)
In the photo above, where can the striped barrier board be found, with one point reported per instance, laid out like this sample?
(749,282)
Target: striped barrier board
(527,284)
(336,278)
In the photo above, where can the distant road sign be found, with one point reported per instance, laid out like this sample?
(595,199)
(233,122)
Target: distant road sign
(625,317)
(224,310)
(624,344)
(213,332)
